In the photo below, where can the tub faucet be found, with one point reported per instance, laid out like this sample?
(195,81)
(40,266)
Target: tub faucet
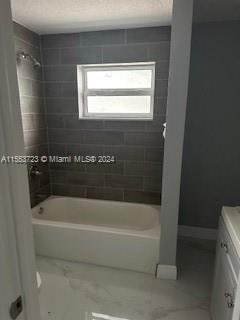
(34,171)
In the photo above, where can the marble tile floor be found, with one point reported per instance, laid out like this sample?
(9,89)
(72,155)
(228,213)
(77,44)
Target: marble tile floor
(73,291)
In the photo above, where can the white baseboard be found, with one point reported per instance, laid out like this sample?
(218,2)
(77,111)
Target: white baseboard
(196,232)
(167,272)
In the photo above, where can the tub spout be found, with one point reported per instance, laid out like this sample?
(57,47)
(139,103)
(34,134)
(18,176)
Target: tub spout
(34,171)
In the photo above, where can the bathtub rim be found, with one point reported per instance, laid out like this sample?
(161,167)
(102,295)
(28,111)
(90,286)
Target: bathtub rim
(153,233)
(52,197)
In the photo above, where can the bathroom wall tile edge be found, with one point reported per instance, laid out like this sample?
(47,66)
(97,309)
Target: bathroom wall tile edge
(32,109)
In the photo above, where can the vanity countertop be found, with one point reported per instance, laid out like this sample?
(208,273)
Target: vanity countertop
(231,217)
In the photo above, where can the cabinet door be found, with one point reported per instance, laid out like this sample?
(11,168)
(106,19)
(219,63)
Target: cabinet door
(223,288)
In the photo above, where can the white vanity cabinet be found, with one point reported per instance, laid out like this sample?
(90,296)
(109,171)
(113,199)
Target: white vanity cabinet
(227,267)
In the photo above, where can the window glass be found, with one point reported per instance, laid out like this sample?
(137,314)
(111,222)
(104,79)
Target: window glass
(119,79)
(119,104)
(116,91)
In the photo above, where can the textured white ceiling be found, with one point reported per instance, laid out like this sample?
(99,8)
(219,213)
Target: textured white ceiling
(56,16)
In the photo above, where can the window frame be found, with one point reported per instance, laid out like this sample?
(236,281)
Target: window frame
(84,92)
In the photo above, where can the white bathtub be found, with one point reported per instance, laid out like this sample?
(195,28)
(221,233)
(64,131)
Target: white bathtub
(108,233)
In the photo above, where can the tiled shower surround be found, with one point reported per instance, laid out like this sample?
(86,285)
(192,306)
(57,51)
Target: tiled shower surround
(33,109)
(136,145)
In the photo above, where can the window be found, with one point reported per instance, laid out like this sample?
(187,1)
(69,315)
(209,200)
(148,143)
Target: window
(116,91)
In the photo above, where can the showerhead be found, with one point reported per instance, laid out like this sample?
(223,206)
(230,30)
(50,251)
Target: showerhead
(26,56)
(36,64)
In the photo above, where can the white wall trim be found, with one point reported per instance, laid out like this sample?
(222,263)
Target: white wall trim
(18,190)
(176,110)
(166,272)
(236,311)
(197,232)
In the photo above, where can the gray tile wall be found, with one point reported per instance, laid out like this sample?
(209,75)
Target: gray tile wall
(137,145)
(33,109)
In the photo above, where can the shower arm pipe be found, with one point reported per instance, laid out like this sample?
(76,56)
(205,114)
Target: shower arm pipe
(26,56)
